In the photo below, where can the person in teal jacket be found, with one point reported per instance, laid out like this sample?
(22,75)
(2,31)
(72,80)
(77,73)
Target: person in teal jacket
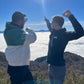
(18,49)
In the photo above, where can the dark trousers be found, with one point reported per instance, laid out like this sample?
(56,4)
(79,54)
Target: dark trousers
(20,75)
(57,74)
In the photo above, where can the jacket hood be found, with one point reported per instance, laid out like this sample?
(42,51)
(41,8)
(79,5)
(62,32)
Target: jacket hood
(14,35)
(9,25)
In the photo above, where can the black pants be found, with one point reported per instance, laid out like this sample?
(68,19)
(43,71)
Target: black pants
(20,75)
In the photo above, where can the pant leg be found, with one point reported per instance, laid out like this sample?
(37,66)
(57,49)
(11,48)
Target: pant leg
(56,74)
(51,76)
(16,75)
(28,78)
(58,82)
(14,80)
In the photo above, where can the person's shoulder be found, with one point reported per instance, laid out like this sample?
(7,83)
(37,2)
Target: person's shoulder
(68,32)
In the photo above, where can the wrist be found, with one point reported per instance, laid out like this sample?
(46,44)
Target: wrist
(27,29)
(70,15)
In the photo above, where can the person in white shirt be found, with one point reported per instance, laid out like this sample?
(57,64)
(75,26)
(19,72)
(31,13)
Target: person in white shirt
(18,49)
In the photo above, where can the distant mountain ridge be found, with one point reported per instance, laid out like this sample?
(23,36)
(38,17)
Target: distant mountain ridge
(1,31)
(42,31)
(35,31)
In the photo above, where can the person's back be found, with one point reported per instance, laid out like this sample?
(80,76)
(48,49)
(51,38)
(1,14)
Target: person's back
(18,49)
(18,42)
(59,38)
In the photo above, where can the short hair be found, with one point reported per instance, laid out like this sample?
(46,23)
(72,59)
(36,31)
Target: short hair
(18,16)
(58,19)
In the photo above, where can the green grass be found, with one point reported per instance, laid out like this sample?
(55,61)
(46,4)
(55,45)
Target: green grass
(41,77)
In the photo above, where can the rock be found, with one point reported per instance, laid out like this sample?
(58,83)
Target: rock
(3,62)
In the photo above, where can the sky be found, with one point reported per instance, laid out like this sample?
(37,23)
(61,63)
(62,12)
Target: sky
(37,9)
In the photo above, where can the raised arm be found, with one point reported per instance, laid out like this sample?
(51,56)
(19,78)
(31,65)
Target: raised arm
(30,37)
(78,29)
(48,23)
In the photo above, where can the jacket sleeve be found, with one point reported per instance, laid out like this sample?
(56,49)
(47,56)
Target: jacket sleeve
(30,37)
(48,25)
(78,30)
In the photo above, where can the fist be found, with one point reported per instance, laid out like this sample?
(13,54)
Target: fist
(67,13)
(46,19)
(27,29)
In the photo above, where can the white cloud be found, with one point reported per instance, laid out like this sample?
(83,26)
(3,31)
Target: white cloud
(67,23)
(38,24)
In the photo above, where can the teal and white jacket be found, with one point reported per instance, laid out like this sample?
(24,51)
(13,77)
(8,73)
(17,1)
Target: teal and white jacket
(18,45)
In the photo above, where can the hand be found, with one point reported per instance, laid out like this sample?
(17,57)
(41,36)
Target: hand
(27,29)
(46,19)
(67,13)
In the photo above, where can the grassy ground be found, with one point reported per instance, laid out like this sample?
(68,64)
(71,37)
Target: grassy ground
(41,77)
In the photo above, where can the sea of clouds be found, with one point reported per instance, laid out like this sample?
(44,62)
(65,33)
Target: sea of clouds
(40,47)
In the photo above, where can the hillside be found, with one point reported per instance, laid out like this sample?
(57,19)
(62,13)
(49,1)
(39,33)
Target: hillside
(39,69)
(73,61)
